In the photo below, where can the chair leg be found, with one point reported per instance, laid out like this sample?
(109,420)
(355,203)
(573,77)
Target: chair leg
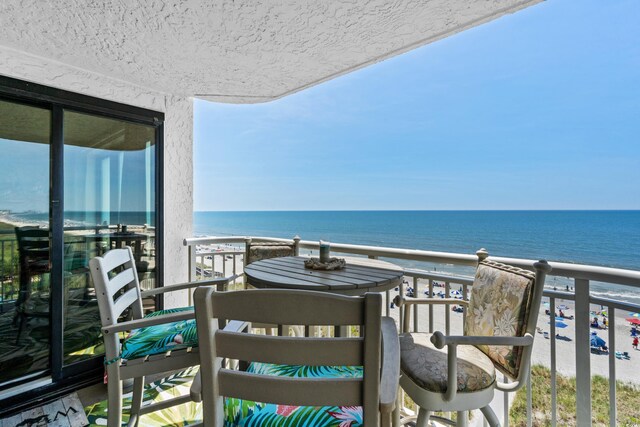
(395,415)
(462,419)
(114,390)
(423,418)
(136,400)
(490,416)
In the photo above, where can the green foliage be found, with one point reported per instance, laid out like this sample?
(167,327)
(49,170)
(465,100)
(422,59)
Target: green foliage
(627,395)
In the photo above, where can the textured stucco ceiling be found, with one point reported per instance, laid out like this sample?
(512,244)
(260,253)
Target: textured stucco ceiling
(233,51)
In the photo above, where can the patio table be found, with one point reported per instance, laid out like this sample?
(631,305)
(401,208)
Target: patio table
(359,276)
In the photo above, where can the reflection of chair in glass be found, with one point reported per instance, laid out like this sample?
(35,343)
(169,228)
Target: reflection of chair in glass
(161,341)
(317,381)
(457,373)
(34,261)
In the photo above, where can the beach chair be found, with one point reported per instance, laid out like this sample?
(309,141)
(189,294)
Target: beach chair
(458,373)
(291,380)
(159,342)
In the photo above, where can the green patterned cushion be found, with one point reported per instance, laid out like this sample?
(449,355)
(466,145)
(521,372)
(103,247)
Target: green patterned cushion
(159,339)
(245,413)
(499,306)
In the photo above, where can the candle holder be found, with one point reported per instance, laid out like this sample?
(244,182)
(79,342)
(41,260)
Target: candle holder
(324,251)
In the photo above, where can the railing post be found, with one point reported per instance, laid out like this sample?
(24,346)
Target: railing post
(192,263)
(447,311)
(611,311)
(245,260)
(554,392)
(296,245)
(505,404)
(416,294)
(192,269)
(583,354)
(401,308)
(430,306)
(529,399)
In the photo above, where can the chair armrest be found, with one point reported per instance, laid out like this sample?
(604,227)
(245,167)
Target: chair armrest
(196,388)
(390,373)
(440,340)
(147,321)
(400,301)
(188,285)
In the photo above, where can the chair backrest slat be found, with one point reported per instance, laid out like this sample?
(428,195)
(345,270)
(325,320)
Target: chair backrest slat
(119,281)
(286,308)
(112,273)
(289,308)
(125,300)
(290,350)
(33,244)
(116,258)
(291,391)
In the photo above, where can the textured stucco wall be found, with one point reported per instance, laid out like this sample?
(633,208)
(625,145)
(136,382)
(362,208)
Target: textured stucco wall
(178,138)
(234,51)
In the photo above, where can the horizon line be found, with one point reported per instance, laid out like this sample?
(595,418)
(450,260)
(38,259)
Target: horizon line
(425,210)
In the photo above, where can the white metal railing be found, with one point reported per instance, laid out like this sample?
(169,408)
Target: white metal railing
(582,276)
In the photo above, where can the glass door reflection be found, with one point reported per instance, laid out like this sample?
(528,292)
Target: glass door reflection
(25,241)
(109,202)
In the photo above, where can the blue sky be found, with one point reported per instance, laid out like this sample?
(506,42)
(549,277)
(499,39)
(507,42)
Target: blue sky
(536,110)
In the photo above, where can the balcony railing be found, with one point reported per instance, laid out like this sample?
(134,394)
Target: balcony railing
(229,261)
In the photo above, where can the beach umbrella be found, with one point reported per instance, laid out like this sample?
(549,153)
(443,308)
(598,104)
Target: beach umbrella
(634,315)
(596,341)
(560,324)
(634,320)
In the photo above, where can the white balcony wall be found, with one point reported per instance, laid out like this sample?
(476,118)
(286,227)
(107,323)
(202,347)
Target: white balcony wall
(178,142)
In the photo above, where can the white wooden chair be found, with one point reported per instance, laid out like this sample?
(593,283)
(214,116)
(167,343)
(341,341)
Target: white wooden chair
(458,373)
(162,341)
(311,380)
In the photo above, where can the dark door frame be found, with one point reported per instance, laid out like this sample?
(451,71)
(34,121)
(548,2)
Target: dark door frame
(74,376)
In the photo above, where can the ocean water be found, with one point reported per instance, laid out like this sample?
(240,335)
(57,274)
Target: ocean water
(606,238)
(89,218)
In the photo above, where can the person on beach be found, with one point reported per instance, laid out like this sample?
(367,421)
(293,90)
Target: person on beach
(635,343)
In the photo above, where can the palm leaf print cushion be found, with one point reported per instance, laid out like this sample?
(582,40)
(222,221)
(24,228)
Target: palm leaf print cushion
(159,339)
(245,413)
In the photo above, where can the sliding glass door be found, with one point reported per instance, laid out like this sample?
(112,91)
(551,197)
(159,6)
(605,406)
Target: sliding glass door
(78,176)
(25,269)
(109,202)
